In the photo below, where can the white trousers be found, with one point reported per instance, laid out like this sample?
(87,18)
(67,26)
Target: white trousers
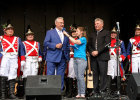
(112,68)
(135,63)
(30,68)
(71,72)
(9,66)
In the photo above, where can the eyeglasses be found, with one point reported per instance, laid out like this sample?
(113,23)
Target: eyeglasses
(61,22)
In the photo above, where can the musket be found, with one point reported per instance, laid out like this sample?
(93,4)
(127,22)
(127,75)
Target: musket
(44,68)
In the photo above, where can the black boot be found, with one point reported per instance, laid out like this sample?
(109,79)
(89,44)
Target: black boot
(70,87)
(75,90)
(0,87)
(24,85)
(3,91)
(12,89)
(118,85)
(109,85)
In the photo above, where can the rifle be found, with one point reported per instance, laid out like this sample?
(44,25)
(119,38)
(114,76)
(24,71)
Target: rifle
(44,68)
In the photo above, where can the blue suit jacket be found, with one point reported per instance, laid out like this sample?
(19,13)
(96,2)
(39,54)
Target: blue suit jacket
(54,54)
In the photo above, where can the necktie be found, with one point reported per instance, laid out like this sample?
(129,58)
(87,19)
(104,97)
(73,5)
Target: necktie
(96,41)
(61,36)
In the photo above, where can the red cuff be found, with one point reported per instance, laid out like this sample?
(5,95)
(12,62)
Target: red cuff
(40,57)
(128,57)
(22,58)
(123,57)
(71,56)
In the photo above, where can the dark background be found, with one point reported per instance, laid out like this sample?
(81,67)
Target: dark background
(40,15)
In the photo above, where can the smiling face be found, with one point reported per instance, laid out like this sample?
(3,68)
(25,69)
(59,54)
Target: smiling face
(30,37)
(74,35)
(137,32)
(9,31)
(59,22)
(79,32)
(98,25)
(113,35)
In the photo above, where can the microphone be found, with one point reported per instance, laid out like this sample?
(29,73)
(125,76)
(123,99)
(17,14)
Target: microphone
(64,29)
(117,23)
(65,33)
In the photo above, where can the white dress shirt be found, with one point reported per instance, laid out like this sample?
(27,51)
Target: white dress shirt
(61,35)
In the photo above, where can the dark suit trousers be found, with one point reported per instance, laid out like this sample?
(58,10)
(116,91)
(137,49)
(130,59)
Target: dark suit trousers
(99,68)
(59,67)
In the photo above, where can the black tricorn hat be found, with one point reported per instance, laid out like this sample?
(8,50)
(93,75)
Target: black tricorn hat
(9,26)
(72,29)
(114,30)
(138,27)
(29,32)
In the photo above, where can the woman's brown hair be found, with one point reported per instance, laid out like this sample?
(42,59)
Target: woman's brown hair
(84,31)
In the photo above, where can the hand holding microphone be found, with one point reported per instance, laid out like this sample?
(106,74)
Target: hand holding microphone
(65,33)
(71,38)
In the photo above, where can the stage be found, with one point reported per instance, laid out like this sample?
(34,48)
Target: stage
(123,97)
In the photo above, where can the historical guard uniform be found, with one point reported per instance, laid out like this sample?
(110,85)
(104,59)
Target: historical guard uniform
(11,48)
(133,51)
(32,56)
(112,63)
(71,73)
(71,77)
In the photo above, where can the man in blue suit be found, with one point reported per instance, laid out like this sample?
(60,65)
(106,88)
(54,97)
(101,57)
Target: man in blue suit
(57,50)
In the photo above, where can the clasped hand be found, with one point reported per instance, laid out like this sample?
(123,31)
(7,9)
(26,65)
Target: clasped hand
(94,53)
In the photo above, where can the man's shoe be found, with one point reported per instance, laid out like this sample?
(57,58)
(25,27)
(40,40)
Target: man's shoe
(69,96)
(102,93)
(95,95)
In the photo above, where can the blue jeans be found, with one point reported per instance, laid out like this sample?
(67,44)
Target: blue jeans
(79,68)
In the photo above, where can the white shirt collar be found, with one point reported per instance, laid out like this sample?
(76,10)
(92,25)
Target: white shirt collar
(58,30)
(61,35)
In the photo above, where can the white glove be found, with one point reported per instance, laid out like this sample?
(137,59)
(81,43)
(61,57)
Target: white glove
(39,59)
(22,65)
(120,59)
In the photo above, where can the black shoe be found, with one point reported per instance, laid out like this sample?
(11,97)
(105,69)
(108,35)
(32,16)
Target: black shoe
(69,96)
(95,95)
(91,94)
(102,93)
(12,96)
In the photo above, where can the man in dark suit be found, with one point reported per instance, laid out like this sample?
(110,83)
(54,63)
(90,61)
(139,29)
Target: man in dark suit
(57,50)
(98,48)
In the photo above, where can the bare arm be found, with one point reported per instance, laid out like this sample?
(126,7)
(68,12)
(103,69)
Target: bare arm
(71,38)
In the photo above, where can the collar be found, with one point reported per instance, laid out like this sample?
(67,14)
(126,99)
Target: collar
(30,41)
(137,36)
(100,30)
(58,30)
(8,35)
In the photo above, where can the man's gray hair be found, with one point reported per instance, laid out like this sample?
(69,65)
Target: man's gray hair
(58,18)
(99,19)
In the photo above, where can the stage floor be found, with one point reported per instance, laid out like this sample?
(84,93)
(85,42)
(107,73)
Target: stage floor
(123,97)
